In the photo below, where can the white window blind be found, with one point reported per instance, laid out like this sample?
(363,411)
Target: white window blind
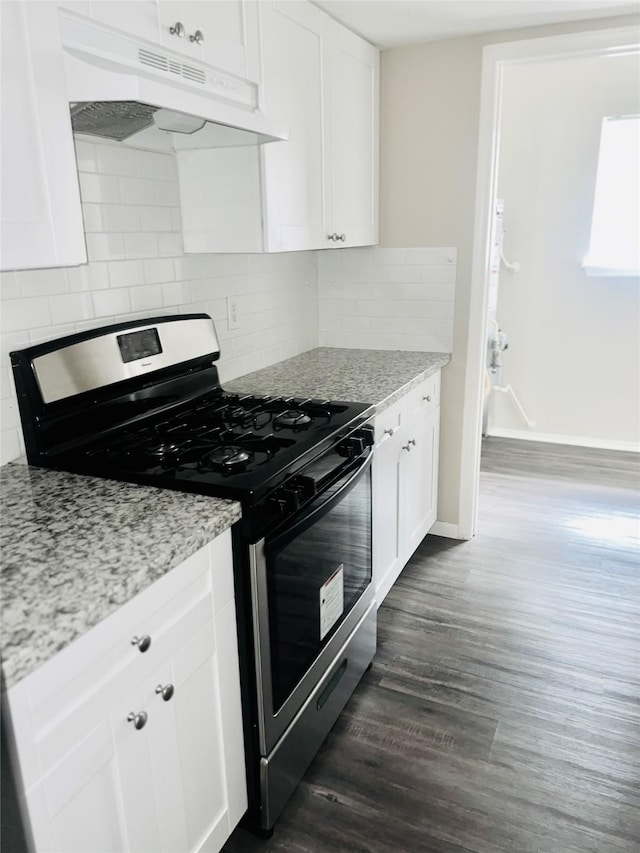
(614,245)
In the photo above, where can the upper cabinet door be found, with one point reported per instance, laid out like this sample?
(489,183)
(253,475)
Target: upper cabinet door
(40,212)
(351,92)
(224,33)
(136,17)
(293,170)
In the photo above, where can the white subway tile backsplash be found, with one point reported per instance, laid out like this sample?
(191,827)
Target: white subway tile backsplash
(19,314)
(169,245)
(42,282)
(136,191)
(137,267)
(387,298)
(155,219)
(105,247)
(147,297)
(71,307)
(141,245)
(92,276)
(92,217)
(114,160)
(101,189)
(106,302)
(125,273)
(120,217)
(9,287)
(86,156)
(151,164)
(157,270)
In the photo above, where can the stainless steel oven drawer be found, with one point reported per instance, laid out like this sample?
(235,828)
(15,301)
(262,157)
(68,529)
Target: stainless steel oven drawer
(281,771)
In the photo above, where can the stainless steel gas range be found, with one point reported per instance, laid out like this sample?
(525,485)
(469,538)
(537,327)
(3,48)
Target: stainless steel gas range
(141,401)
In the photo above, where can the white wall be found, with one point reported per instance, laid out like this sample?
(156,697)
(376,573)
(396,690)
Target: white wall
(429,114)
(574,348)
(395,299)
(137,269)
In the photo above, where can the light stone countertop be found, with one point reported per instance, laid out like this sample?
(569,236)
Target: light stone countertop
(76,548)
(378,377)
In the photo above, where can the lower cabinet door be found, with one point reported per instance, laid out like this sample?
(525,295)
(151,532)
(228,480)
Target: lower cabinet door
(387,534)
(78,806)
(187,752)
(420,479)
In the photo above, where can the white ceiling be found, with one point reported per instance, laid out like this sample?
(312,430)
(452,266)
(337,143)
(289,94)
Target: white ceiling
(391,23)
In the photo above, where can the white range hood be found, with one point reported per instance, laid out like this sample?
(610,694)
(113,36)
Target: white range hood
(123,88)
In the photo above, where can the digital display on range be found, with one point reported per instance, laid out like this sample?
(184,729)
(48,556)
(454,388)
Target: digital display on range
(136,345)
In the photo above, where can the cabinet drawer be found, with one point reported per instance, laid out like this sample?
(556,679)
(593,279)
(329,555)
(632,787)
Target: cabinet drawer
(425,397)
(388,422)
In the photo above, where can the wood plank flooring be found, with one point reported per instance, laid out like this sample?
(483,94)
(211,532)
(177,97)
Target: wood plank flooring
(501,714)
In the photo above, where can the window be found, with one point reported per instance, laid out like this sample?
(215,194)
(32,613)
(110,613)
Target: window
(614,246)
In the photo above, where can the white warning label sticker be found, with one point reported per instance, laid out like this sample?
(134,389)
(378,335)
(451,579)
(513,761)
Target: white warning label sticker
(331,601)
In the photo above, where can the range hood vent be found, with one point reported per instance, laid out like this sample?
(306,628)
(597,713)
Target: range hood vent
(111,119)
(164,63)
(123,88)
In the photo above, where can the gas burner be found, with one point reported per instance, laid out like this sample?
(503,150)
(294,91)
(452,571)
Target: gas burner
(227,457)
(160,449)
(292,418)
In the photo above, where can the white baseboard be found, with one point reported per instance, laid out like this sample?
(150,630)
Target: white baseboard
(444,528)
(574,440)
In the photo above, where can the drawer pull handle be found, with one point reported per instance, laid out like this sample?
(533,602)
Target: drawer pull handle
(139,720)
(142,642)
(427,398)
(165,691)
(389,431)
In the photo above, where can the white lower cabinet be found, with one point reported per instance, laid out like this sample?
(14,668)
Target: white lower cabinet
(405,480)
(120,749)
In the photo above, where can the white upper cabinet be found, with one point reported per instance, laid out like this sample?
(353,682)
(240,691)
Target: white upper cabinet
(40,212)
(350,97)
(136,17)
(223,33)
(317,190)
(293,171)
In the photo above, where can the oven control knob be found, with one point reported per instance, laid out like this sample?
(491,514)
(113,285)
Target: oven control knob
(285,500)
(352,446)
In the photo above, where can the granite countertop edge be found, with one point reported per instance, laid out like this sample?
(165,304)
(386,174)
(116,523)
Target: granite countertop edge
(76,548)
(376,377)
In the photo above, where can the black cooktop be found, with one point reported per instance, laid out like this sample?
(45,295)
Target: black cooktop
(225,444)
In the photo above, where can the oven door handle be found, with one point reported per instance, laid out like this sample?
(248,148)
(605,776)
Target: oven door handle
(317,512)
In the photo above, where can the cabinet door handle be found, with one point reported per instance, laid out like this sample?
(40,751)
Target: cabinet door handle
(332,236)
(427,397)
(177,29)
(389,431)
(142,642)
(342,237)
(406,447)
(412,441)
(139,720)
(165,691)
(197,37)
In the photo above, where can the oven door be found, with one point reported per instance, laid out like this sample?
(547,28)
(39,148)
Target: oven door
(311,585)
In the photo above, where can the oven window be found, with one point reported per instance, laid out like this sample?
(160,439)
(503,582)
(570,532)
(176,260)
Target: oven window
(313,581)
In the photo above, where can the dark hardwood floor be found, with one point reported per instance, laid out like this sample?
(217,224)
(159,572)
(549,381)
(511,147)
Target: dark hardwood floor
(501,714)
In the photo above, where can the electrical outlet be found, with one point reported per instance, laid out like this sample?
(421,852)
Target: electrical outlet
(233,318)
